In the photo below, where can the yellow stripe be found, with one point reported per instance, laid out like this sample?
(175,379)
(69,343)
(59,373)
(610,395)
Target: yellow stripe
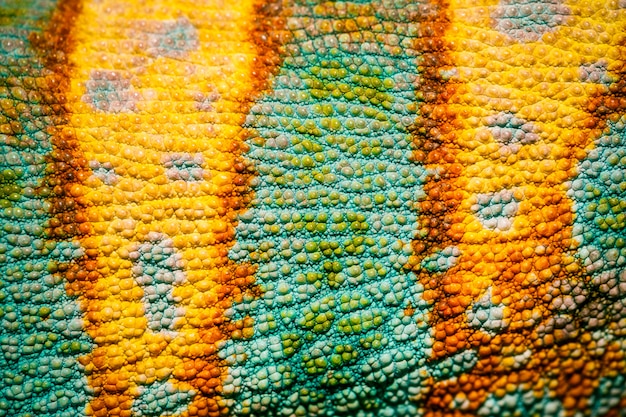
(188,99)
(492,74)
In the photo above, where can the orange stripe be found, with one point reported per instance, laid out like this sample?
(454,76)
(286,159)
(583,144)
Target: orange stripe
(158,98)
(474,75)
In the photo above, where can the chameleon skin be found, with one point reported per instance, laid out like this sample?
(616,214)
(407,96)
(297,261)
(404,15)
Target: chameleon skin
(498,136)
(505,146)
(158,106)
(42,338)
(147,200)
(312,208)
(339,327)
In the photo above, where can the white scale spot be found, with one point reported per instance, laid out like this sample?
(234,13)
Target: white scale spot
(104,172)
(529,20)
(487,316)
(166,38)
(184,166)
(442,260)
(157,270)
(496,211)
(111,92)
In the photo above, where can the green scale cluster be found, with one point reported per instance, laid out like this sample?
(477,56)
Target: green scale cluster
(340,327)
(599,196)
(41,328)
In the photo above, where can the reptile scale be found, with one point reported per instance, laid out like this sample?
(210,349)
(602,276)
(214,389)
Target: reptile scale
(283,208)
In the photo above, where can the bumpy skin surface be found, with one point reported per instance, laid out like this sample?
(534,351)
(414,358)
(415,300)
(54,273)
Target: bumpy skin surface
(307,208)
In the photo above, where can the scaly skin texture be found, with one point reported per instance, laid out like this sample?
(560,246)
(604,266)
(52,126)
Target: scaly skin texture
(514,136)
(307,208)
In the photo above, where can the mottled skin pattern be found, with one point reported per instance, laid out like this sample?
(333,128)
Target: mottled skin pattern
(312,208)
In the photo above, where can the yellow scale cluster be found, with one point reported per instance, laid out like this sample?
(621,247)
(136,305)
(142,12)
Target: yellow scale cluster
(551,89)
(135,107)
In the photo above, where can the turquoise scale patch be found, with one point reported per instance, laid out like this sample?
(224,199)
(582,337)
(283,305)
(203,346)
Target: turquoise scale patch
(519,403)
(41,327)
(607,395)
(340,328)
(599,195)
